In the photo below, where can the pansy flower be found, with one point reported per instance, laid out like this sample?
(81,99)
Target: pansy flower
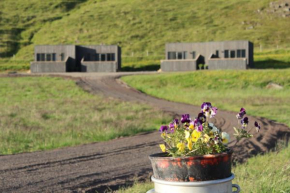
(205,106)
(200,128)
(201,117)
(180,146)
(185,118)
(162,147)
(225,137)
(173,125)
(257,126)
(198,125)
(213,112)
(208,110)
(245,122)
(241,114)
(195,135)
(163,128)
(191,125)
(206,138)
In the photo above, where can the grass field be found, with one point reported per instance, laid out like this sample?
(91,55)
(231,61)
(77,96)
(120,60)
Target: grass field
(40,113)
(269,173)
(228,90)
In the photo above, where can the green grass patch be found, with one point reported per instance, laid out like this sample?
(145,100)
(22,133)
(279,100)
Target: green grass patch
(265,173)
(40,113)
(14,65)
(261,174)
(228,90)
(275,59)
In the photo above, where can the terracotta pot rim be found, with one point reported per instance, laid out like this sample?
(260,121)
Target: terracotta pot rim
(165,156)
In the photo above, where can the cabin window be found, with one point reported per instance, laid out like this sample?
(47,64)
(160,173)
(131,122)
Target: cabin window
(171,55)
(38,57)
(48,57)
(239,53)
(97,57)
(110,57)
(103,57)
(233,53)
(42,57)
(226,54)
(180,55)
(243,53)
(217,53)
(53,57)
(177,55)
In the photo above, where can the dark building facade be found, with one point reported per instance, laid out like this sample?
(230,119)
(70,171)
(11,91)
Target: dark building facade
(216,55)
(72,58)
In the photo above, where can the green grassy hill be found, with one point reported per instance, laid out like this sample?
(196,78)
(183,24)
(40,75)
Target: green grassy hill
(136,25)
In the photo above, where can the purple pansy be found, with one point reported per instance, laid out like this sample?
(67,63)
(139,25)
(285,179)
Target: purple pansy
(206,106)
(208,109)
(213,112)
(185,118)
(173,125)
(201,117)
(245,122)
(241,114)
(163,128)
(200,128)
(257,126)
(198,123)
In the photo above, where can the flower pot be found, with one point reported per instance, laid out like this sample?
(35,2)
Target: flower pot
(191,169)
(213,186)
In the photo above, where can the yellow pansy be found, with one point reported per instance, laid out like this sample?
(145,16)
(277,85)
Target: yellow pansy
(162,147)
(195,135)
(181,147)
(206,138)
(191,125)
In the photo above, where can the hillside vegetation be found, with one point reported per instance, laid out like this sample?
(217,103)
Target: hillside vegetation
(136,26)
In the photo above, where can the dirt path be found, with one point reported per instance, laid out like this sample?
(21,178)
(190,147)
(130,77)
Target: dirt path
(94,167)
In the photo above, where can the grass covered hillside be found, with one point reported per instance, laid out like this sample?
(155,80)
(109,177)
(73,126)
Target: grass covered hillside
(136,26)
